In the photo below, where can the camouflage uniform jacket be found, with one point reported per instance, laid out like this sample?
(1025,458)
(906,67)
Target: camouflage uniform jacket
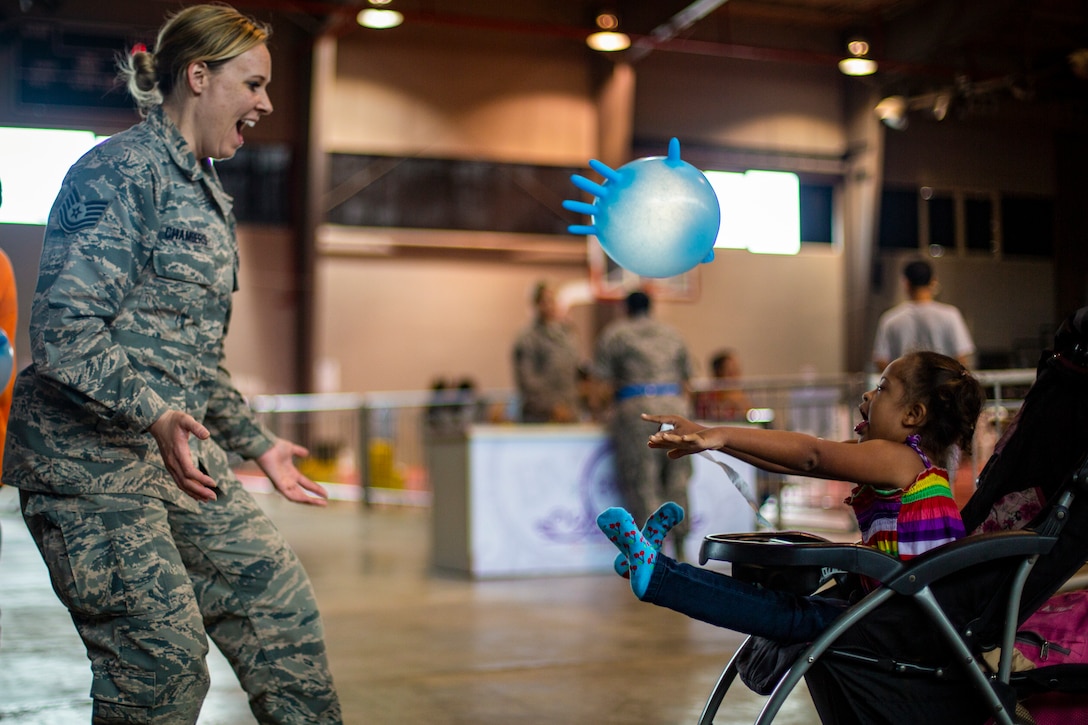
(132,304)
(546,369)
(641,350)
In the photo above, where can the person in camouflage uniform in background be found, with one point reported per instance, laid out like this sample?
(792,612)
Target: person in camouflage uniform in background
(647,364)
(546,364)
(120,427)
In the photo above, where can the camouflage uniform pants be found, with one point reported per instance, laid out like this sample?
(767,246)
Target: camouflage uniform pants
(144,580)
(647,477)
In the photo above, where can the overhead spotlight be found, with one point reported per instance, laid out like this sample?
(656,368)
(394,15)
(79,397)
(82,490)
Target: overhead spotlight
(941,102)
(608,38)
(379,18)
(893,112)
(857,63)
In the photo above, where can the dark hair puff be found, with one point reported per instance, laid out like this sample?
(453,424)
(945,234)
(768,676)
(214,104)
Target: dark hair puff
(952,396)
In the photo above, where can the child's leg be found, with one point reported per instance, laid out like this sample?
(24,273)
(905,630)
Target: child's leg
(723,601)
(620,528)
(655,530)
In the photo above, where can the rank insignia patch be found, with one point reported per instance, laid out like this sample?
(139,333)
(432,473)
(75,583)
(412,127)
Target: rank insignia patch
(76,214)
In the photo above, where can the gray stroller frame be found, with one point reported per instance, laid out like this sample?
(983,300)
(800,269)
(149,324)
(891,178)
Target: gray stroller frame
(913,579)
(974,592)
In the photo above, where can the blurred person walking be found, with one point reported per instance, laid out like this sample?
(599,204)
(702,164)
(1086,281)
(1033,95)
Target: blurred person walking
(647,364)
(921,323)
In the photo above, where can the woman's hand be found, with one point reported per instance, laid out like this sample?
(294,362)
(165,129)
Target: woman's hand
(278,463)
(171,432)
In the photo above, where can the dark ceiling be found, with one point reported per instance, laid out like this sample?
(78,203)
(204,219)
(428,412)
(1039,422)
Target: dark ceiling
(982,51)
(1018,50)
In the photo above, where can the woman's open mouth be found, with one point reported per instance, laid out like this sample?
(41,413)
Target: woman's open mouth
(241,125)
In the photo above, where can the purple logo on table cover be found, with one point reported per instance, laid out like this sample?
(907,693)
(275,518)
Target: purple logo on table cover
(596,492)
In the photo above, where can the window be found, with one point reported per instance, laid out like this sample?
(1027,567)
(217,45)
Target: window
(898,219)
(817,203)
(258,177)
(978,212)
(422,193)
(760,211)
(942,220)
(33,163)
(1027,226)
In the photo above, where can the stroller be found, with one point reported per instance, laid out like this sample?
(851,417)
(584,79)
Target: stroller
(1028,520)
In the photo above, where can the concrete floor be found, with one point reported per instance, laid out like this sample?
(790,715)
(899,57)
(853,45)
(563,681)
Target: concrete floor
(408,646)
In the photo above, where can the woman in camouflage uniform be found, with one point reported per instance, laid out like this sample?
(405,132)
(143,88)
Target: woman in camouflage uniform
(121,425)
(546,363)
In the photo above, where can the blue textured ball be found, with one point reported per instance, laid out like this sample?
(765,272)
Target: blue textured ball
(656,216)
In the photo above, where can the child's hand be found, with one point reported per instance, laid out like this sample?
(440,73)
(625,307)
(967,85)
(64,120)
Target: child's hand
(680,445)
(679,436)
(680,425)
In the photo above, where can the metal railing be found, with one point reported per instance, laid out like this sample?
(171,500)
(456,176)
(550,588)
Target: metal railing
(371,447)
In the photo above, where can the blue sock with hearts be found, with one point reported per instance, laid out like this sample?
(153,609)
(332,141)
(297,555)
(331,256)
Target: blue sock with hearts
(620,528)
(657,527)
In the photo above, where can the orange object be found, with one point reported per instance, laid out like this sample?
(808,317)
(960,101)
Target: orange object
(9,314)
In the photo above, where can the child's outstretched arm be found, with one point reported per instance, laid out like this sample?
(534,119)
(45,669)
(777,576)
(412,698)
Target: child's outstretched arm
(696,438)
(681,426)
(876,462)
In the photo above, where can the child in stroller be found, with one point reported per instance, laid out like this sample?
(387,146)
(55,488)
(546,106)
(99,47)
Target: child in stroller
(867,667)
(922,411)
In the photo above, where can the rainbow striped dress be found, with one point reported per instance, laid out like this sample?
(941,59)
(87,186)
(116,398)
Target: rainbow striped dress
(908,522)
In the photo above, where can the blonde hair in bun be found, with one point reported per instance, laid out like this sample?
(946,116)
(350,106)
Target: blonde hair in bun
(212,33)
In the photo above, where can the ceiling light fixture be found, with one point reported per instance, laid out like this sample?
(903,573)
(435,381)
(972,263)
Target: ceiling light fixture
(608,39)
(893,112)
(857,63)
(379,18)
